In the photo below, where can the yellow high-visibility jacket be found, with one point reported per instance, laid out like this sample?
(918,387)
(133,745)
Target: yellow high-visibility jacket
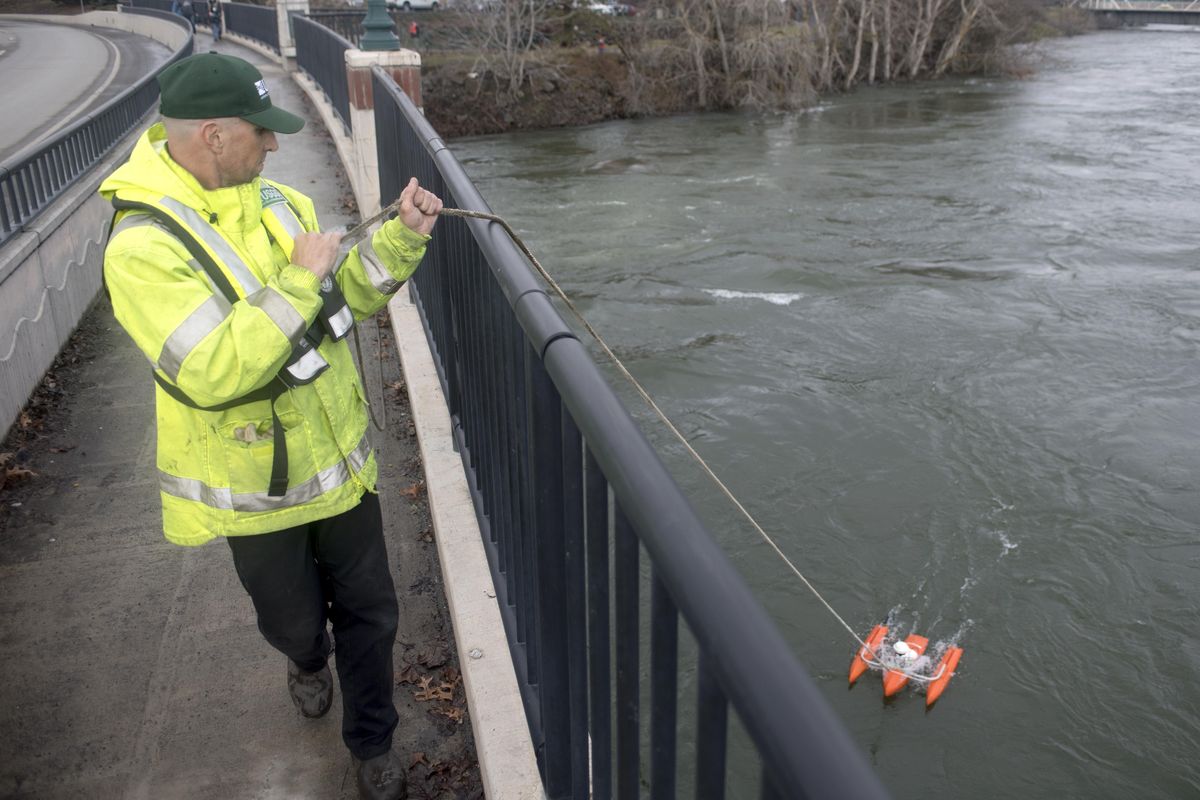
(214,466)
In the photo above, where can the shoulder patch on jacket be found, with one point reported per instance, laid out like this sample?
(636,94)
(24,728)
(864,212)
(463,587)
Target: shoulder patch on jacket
(271,196)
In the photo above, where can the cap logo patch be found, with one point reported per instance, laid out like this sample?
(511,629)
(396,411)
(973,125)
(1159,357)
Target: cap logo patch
(262,88)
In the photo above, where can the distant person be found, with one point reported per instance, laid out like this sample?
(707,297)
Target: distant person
(600,45)
(414,30)
(216,18)
(184,9)
(223,281)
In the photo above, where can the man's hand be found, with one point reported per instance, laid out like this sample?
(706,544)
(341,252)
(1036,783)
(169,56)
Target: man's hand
(316,252)
(419,208)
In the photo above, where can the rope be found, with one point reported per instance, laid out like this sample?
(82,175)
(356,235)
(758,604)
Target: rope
(360,229)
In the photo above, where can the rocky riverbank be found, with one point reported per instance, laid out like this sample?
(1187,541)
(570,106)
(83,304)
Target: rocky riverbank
(577,81)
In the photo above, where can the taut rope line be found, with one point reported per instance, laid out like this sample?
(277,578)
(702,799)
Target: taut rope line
(359,230)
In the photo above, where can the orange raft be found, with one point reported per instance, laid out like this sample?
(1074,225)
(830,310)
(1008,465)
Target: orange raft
(866,655)
(945,672)
(895,680)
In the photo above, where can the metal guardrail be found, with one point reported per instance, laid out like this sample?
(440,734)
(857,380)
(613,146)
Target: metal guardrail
(259,23)
(158,5)
(321,52)
(347,24)
(1150,6)
(547,444)
(35,177)
(200,15)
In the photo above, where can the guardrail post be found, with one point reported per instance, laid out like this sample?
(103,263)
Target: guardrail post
(404,66)
(283,11)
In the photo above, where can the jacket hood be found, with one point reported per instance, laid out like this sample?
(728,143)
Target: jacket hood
(151,173)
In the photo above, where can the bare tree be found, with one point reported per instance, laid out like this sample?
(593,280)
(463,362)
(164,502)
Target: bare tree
(506,34)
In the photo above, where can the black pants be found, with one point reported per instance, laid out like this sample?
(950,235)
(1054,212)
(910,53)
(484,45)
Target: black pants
(335,569)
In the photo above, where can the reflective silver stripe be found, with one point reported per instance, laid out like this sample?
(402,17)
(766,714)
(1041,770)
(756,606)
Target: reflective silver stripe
(341,322)
(143,219)
(138,219)
(308,366)
(224,499)
(199,324)
(209,235)
(359,455)
(380,278)
(283,212)
(281,312)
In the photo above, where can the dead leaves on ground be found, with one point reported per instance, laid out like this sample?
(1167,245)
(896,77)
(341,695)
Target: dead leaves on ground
(443,691)
(413,491)
(437,682)
(455,777)
(12,474)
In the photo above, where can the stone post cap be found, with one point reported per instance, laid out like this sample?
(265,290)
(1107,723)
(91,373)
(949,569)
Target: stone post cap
(365,59)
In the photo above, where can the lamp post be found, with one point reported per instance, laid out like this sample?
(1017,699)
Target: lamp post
(380,30)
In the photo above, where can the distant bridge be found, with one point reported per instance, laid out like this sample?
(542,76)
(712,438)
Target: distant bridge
(1145,12)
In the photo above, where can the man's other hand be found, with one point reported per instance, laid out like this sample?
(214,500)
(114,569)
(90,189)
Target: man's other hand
(419,207)
(316,252)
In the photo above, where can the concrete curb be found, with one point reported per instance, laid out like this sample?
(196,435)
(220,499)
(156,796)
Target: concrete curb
(507,763)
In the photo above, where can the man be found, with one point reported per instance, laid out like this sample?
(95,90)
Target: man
(216,12)
(242,307)
(184,9)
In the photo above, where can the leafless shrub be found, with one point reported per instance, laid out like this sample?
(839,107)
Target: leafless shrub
(506,36)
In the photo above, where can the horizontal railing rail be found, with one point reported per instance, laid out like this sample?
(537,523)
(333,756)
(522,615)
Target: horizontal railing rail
(569,494)
(158,5)
(347,24)
(259,23)
(321,52)
(35,177)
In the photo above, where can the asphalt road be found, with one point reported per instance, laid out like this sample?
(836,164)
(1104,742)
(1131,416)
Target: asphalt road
(51,75)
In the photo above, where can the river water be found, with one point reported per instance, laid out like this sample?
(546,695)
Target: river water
(942,340)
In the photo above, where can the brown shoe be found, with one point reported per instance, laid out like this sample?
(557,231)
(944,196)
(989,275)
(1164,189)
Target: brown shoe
(312,692)
(382,778)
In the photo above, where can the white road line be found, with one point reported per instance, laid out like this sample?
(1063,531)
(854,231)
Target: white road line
(85,102)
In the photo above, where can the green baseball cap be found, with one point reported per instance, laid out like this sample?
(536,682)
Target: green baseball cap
(210,85)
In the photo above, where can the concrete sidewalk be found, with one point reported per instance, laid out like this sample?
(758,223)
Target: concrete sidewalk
(133,668)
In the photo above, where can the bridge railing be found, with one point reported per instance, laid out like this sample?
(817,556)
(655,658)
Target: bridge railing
(569,495)
(35,177)
(347,23)
(1150,6)
(259,23)
(158,5)
(321,52)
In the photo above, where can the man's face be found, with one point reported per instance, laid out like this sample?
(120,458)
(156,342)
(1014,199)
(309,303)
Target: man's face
(245,151)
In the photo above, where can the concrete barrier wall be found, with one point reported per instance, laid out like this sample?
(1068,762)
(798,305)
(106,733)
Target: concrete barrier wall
(168,33)
(49,276)
(51,272)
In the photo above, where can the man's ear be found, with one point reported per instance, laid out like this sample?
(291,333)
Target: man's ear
(212,133)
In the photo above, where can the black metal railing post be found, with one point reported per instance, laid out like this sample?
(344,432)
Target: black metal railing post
(712,710)
(575,602)
(625,570)
(664,665)
(545,430)
(599,652)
